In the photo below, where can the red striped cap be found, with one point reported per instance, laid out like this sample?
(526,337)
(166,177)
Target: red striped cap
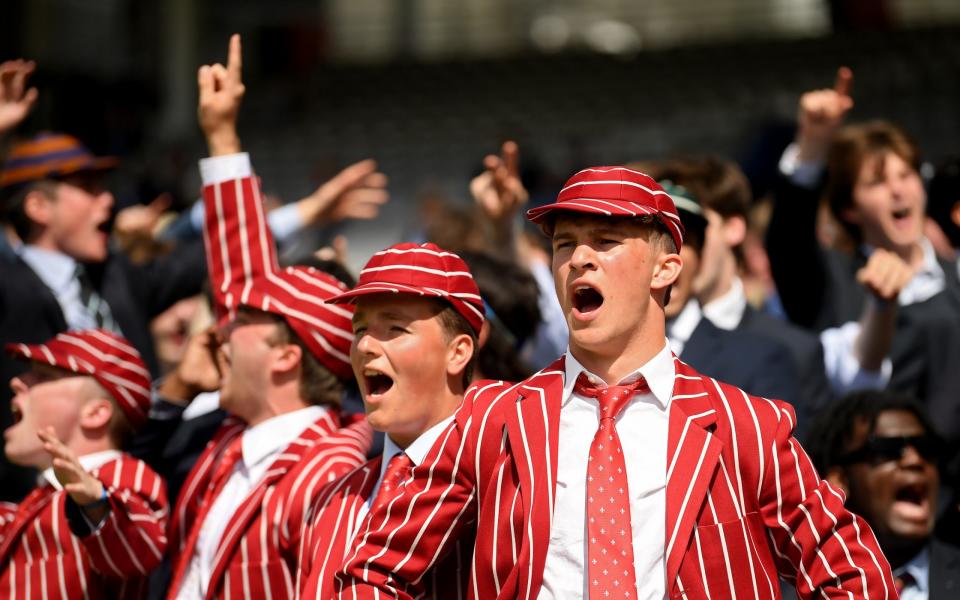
(105,356)
(422,270)
(49,155)
(298,294)
(614,192)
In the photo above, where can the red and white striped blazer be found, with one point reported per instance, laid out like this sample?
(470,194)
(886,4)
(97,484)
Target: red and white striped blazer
(40,557)
(332,527)
(744,503)
(257,555)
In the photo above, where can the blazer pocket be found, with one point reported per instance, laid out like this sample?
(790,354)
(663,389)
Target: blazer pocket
(731,559)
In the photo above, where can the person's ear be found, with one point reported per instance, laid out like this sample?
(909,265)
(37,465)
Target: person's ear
(459,354)
(38,207)
(955,213)
(286,358)
(666,271)
(837,477)
(734,230)
(96,413)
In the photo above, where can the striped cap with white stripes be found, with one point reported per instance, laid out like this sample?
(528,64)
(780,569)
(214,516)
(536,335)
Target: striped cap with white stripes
(614,192)
(299,295)
(105,356)
(423,270)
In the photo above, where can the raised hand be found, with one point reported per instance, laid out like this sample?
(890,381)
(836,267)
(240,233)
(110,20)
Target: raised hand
(356,192)
(885,275)
(83,487)
(16,100)
(820,113)
(498,190)
(139,220)
(221,92)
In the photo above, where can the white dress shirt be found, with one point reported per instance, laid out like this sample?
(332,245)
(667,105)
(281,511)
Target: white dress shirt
(681,328)
(260,445)
(726,312)
(642,427)
(59,273)
(919,570)
(416,452)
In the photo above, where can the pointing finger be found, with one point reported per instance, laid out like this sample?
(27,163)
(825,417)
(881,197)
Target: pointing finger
(235,58)
(843,81)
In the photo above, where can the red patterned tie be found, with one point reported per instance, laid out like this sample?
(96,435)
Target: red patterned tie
(609,536)
(221,473)
(398,469)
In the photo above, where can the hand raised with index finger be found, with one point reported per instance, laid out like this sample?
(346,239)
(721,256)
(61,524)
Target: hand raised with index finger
(221,92)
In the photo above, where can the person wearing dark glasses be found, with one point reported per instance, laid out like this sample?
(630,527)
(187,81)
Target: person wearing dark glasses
(882,450)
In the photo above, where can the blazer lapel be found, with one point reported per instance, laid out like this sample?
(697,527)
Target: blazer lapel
(28,510)
(692,456)
(253,504)
(533,424)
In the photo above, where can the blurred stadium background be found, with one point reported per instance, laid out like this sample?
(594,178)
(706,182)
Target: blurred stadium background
(427,87)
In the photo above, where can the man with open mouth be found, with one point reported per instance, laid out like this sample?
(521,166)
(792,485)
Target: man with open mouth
(881,449)
(417,324)
(619,471)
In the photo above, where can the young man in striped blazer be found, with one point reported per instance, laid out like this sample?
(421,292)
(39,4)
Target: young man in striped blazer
(95,525)
(283,360)
(686,488)
(416,327)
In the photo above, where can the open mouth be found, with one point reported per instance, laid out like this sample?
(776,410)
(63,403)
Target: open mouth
(901,214)
(586,299)
(913,502)
(17,414)
(376,382)
(105,227)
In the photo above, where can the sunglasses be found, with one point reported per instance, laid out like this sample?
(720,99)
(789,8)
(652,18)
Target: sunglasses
(884,449)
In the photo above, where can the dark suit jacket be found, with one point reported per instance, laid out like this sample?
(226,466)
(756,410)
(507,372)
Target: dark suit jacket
(813,392)
(818,288)
(29,313)
(944,571)
(758,365)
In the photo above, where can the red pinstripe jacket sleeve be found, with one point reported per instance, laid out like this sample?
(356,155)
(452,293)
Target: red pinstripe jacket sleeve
(7,512)
(422,523)
(238,242)
(132,539)
(821,546)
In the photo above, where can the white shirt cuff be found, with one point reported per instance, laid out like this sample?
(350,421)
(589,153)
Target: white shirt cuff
(843,369)
(217,169)
(803,174)
(285,222)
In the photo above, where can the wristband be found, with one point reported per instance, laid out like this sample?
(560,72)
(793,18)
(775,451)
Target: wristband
(98,502)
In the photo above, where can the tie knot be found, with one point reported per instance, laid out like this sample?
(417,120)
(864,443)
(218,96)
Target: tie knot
(612,398)
(398,468)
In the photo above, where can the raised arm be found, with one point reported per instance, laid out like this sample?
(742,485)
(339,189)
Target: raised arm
(240,247)
(796,258)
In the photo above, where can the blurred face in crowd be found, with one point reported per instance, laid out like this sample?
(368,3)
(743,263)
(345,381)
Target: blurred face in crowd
(683,289)
(893,485)
(172,329)
(889,203)
(609,274)
(44,397)
(247,358)
(405,362)
(76,219)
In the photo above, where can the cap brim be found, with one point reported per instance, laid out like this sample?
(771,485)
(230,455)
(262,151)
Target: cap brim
(368,289)
(588,206)
(71,167)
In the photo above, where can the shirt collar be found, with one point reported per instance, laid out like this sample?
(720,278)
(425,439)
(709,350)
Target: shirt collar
(276,433)
(659,372)
(680,329)
(55,269)
(417,451)
(726,312)
(919,568)
(89,462)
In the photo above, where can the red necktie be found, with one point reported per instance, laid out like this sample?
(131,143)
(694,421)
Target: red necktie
(221,474)
(609,536)
(398,469)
